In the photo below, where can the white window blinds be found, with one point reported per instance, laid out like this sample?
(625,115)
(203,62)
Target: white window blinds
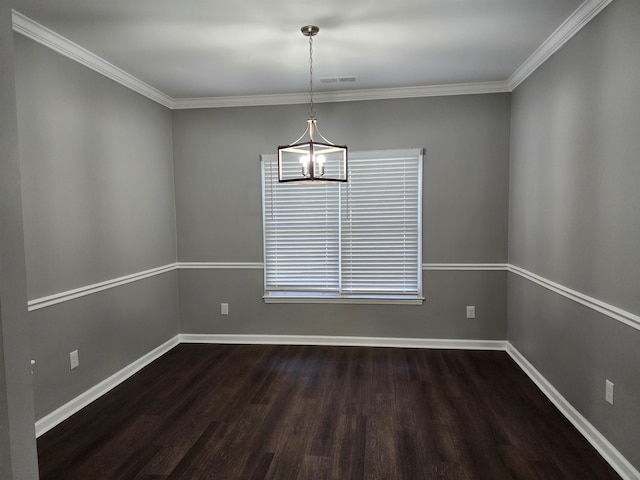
(381,223)
(301,233)
(357,239)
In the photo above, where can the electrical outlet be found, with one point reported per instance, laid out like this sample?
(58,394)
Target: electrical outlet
(73,359)
(471,311)
(224,308)
(608,392)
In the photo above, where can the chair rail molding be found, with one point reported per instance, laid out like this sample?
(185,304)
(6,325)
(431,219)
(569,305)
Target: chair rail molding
(612,311)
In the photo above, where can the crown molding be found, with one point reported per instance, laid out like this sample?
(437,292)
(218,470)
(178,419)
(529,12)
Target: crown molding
(33,30)
(578,19)
(43,35)
(572,25)
(342,95)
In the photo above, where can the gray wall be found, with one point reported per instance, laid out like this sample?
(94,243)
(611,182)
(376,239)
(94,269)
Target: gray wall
(218,204)
(97,170)
(575,170)
(18,458)
(99,164)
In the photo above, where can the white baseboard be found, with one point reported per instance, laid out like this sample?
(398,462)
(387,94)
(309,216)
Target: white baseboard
(65,411)
(68,409)
(599,442)
(347,341)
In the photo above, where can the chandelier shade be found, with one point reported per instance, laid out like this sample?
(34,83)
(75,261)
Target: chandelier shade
(312,159)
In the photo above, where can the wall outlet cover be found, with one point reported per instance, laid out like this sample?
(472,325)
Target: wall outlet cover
(608,395)
(73,359)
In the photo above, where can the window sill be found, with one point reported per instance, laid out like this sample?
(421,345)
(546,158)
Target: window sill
(306,297)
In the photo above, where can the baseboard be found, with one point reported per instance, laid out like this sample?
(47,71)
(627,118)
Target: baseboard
(347,341)
(599,442)
(58,416)
(65,411)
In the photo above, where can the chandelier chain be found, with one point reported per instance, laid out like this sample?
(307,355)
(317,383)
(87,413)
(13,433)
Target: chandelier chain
(312,112)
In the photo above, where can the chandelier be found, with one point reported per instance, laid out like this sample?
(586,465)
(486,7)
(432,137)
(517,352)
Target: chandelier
(312,159)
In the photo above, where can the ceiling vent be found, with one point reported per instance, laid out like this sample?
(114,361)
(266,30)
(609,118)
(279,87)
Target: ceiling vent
(339,79)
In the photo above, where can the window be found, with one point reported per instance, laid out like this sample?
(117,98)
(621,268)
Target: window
(359,241)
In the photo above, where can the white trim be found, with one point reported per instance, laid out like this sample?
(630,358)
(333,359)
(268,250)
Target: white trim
(43,302)
(619,463)
(465,266)
(65,296)
(425,266)
(599,442)
(220,265)
(47,37)
(355,300)
(612,311)
(65,411)
(572,25)
(343,95)
(33,30)
(451,344)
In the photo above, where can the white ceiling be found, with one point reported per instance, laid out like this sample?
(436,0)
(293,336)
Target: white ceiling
(214,48)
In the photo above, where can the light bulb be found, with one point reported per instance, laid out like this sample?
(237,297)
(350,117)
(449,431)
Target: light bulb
(304,161)
(319,160)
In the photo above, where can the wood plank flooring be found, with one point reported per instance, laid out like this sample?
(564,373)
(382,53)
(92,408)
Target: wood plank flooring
(256,412)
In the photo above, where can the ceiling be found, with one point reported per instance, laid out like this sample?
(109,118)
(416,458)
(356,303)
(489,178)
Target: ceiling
(196,48)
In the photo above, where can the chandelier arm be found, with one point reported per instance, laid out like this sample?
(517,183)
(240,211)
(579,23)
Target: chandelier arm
(322,136)
(304,134)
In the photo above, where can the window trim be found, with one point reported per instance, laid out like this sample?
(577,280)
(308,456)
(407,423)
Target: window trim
(293,296)
(378,299)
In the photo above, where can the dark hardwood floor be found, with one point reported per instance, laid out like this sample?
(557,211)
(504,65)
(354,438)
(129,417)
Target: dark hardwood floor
(293,412)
